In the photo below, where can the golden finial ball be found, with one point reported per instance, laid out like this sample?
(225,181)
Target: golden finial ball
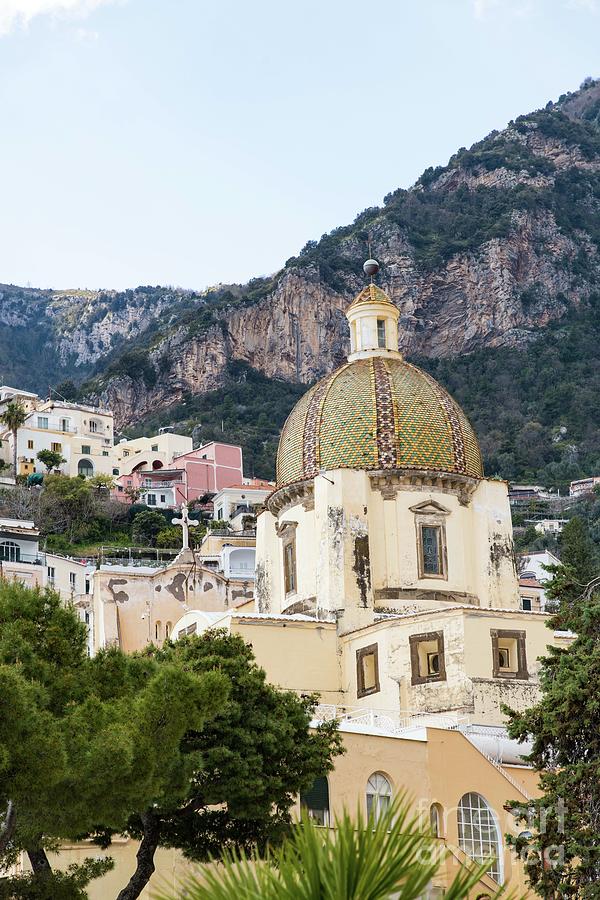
(371,268)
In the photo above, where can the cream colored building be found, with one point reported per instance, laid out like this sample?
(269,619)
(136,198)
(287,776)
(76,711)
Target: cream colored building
(83,435)
(150,452)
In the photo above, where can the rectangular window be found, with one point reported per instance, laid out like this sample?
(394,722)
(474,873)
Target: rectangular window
(289,567)
(154,448)
(30,445)
(42,421)
(163,498)
(72,580)
(56,447)
(151,499)
(431,550)
(93,426)
(105,453)
(64,424)
(427,657)
(526,604)
(509,655)
(381,341)
(367,671)
(125,452)
(86,450)
(51,573)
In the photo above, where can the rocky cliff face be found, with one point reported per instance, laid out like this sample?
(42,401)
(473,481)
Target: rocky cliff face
(483,252)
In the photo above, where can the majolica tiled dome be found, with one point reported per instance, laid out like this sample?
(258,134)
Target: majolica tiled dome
(372,414)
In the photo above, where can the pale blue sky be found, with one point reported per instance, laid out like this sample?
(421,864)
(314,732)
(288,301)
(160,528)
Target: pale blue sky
(186,142)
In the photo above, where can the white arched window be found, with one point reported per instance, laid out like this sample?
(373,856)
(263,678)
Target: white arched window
(379,795)
(10,551)
(157,631)
(479,834)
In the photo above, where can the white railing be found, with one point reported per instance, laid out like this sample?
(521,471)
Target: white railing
(389,720)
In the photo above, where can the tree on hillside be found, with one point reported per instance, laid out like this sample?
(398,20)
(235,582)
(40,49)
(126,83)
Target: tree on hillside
(14,417)
(146,526)
(86,742)
(563,853)
(52,459)
(257,755)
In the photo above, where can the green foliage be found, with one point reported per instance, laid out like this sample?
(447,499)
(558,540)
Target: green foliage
(146,526)
(392,857)
(516,398)
(257,756)
(69,885)
(171,536)
(84,743)
(134,364)
(563,854)
(52,459)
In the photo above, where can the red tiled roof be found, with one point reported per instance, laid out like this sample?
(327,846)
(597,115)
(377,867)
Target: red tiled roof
(530,582)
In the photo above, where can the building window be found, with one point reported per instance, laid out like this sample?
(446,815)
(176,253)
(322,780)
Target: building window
(367,671)
(381,342)
(86,450)
(56,447)
(316,801)
(87,585)
(154,448)
(289,566)
(379,795)
(94,426)
(72,580)
(151,499)
(157,631)
(125,452)
(51,573)
(427,657)
(10,552)
(115,471)
(431,550)
(220,513)
(30,445)
(478,833)
(526,604)
(64,425)
(105,453)
(163,498)
(168,630)
(42,422)
(85,468)
(436,820)
(509,654)
(431,539)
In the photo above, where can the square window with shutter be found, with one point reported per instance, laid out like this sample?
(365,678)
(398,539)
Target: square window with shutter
(509,654)
(367,671)
(427,657)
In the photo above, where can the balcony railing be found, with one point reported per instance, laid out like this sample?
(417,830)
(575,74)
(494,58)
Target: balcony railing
(385,720)
(34,559)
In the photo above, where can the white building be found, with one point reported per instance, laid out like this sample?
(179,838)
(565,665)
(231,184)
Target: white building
(583,486)
(20,557)
(234,504)
(83,435)
(550,526)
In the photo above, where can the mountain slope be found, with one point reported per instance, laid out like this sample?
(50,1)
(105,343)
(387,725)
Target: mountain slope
(483,252)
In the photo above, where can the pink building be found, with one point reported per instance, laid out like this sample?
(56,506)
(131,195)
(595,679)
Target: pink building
(203,471)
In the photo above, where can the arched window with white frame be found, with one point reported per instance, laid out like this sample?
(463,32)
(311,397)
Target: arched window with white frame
(10,551)
(379,795)
(479,833)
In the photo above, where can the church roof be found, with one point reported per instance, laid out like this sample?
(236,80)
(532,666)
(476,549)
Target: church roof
(370,294)
(374,414)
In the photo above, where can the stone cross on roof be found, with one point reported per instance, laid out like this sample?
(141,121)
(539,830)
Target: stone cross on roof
(185,523)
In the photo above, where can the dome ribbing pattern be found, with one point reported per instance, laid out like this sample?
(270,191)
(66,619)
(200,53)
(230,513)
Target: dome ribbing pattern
(373,414)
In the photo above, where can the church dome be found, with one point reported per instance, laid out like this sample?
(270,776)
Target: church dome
(373,414)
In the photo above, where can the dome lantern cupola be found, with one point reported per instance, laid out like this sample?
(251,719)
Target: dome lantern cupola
(373,320)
